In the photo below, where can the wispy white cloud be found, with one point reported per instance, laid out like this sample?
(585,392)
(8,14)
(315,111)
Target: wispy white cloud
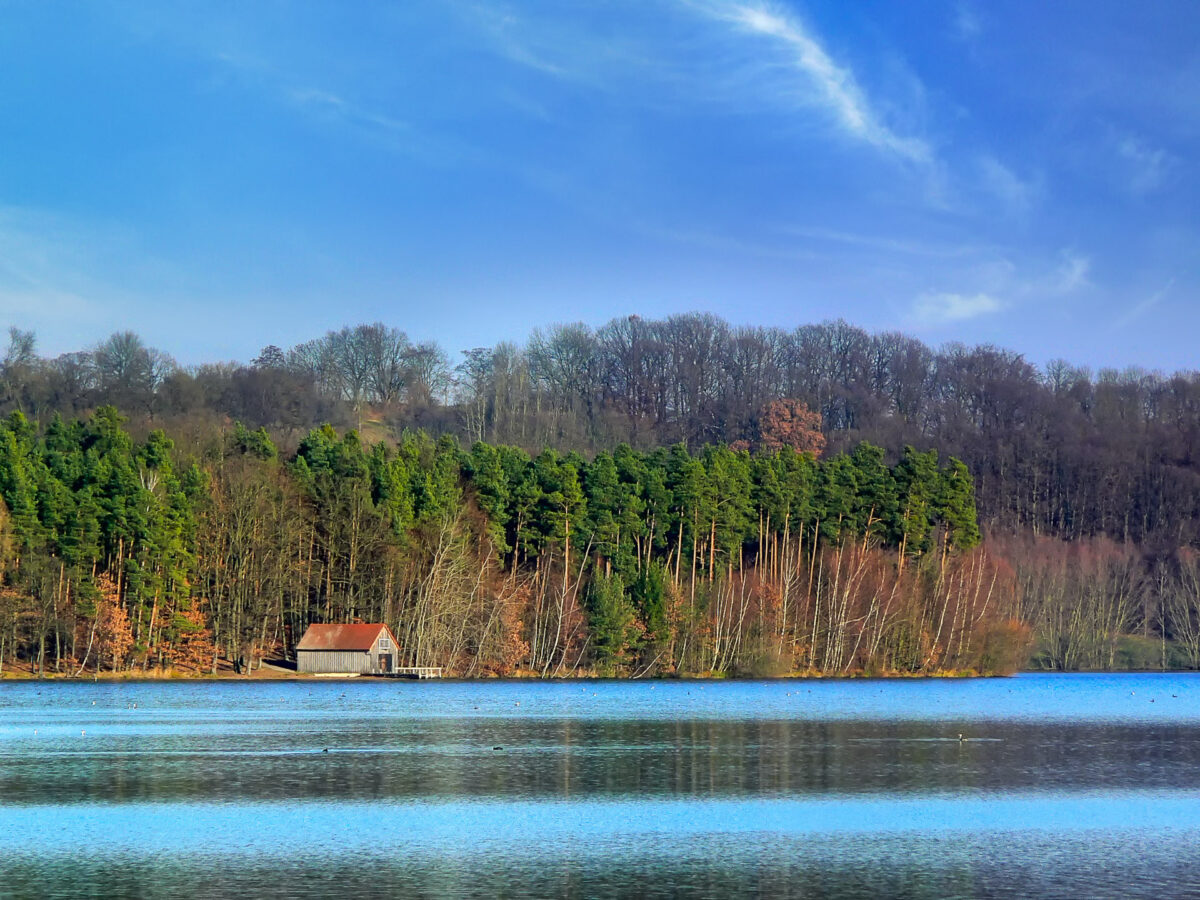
(967,23)
(942,309)
(833,86)
(348,118)
(1070,275)
(1148,167)
(308,87)
(721,243)
(1015,193)
(998,285)
(509,35)
(1142,307)
(322,101)
(560,47)
(1032,282)
(281,86)
(739,53)
(876,242)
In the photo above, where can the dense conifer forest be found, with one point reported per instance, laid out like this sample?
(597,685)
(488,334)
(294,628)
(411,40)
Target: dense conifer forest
(646,498)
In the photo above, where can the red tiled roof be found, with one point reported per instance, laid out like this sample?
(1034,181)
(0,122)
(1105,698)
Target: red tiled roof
(341,637)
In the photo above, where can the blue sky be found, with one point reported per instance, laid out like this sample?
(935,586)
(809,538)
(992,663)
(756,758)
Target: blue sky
(219,176)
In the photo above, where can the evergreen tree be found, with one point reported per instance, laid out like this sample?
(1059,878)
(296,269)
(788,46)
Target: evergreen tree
(612,622)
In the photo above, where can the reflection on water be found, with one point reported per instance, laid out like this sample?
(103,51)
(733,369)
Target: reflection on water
(1062,785)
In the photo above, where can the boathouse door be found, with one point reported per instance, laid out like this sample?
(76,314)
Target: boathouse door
(385,663)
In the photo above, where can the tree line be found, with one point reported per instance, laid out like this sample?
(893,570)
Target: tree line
(122,553)
(1060,450)
(1068,465)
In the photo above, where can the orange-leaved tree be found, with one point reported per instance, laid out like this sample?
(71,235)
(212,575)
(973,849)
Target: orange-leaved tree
(790,423)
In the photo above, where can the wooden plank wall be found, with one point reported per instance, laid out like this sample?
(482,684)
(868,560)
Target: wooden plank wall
(334,661)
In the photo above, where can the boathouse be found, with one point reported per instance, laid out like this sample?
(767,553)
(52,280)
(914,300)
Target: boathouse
(347,650)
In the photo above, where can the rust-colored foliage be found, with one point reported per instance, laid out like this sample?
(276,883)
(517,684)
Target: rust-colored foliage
(1005,647)
(790,423)
(114,639)
(505,648)
(194,647)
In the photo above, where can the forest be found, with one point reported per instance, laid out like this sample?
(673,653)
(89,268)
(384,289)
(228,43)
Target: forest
(645,498)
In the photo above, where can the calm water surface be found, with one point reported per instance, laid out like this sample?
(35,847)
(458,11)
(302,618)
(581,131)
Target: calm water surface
(1066,785)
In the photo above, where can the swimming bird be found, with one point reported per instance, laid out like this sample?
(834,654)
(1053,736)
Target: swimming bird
(961,739)
(497,748)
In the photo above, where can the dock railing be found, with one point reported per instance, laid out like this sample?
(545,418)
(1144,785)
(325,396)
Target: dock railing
(418,672)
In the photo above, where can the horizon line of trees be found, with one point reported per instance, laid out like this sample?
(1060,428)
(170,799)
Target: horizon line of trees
(116,552)
(1066,463)
(120,552)
(1060,451)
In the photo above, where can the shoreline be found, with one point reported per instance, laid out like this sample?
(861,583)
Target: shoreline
(284,670)
(277,673)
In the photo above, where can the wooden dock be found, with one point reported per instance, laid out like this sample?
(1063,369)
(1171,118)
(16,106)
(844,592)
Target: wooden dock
(419,672)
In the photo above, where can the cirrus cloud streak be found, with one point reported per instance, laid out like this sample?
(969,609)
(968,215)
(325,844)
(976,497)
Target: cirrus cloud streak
(938,309)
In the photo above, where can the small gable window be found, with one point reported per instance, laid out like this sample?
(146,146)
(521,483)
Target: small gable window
(385,643)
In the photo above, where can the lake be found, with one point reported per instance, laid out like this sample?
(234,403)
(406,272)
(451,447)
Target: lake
(1065,785)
